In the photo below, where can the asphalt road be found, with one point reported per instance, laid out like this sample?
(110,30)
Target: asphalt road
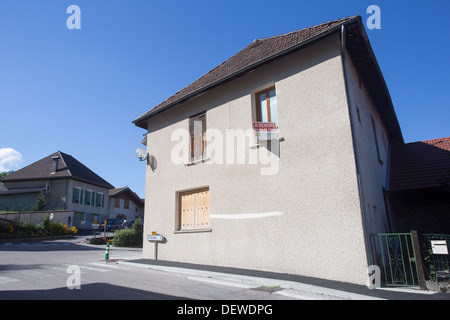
(70,270)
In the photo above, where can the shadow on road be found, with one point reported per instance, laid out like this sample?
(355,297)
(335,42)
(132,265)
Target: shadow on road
(93,291)
(48,246)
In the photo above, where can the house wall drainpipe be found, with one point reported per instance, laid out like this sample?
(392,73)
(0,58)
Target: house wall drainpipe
(355,151)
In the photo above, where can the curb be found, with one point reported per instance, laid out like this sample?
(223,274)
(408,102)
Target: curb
(35,239)
(291,289)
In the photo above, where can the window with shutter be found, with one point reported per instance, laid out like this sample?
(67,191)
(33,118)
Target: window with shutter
(89,198)
(100,200)
(77,195)
(194,209)
(197,131)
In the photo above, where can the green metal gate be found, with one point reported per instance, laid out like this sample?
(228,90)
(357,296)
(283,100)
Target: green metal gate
(394,253)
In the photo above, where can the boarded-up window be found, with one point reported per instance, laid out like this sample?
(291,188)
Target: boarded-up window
(197,131)
(194,209)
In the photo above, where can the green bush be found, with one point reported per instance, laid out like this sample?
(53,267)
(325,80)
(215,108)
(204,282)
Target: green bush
(52,228)
(129,237)
(45,228)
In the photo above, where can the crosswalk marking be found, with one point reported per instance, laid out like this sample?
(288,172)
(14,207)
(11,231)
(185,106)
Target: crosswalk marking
(7,280)
(95,269)
(60,270)
(108,265)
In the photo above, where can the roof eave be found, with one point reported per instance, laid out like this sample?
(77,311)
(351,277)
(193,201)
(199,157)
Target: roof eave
(141,121)
(389,118)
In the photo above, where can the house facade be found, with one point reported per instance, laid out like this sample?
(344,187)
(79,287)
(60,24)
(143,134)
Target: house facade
(125,204)
(66,185)
(303,201)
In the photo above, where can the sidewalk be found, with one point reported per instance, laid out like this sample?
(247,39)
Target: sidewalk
(293,286)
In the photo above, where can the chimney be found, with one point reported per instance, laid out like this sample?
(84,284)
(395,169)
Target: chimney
(54,164)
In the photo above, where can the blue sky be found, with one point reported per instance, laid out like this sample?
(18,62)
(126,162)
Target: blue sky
(78,90)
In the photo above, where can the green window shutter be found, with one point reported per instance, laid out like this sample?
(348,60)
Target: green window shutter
(93,199)
(74,196)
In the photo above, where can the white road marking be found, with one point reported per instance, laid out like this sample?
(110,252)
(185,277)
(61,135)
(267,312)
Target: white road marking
(7,280)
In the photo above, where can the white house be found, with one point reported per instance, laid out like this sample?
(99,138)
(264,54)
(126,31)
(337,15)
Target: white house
(125,204)
(306,200)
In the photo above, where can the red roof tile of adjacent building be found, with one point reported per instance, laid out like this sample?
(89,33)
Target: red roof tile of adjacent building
(423,164)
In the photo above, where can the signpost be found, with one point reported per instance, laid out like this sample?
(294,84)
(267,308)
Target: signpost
(95,227)
(155,238)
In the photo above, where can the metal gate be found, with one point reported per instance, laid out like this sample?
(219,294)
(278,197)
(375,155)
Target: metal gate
(394,254)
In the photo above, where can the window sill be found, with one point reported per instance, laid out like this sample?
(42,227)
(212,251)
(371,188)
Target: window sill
(191,163)
(192,231)
(255,146)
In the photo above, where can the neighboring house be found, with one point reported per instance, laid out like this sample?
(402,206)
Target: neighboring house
(67,185)
(304,202)
(419,189)
(125,204)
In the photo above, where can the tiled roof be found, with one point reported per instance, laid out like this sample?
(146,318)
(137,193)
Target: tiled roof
(253,55)
(114,191)
(127,192)
(423,164)
(68,167)
(268,49)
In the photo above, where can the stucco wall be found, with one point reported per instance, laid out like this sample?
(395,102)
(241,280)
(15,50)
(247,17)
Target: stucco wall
(374,170)
(310,219)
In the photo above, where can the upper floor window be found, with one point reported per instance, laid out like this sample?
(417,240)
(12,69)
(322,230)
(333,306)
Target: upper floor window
(100,200)
(77,195)
(89,198)
(374,129)
(197,132)
(266,105)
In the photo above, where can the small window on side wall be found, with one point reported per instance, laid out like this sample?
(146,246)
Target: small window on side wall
(197,132)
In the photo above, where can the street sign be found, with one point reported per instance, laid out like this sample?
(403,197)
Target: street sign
(154,237)
(439,247)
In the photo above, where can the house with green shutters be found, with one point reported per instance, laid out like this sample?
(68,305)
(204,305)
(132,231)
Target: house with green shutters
(72,192)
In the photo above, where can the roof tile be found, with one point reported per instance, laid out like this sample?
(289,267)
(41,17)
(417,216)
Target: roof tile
(254,53)
(422,164)
(68,167)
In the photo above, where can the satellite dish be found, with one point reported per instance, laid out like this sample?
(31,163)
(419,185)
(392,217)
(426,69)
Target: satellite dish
(141,154)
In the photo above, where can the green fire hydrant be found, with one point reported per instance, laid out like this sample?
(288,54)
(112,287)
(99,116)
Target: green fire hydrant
(107,252)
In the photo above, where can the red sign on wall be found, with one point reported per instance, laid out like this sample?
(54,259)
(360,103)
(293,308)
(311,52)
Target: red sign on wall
(264,126)
(265,130)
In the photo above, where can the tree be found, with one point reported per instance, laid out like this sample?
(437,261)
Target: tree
(40,203)
(5,173)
